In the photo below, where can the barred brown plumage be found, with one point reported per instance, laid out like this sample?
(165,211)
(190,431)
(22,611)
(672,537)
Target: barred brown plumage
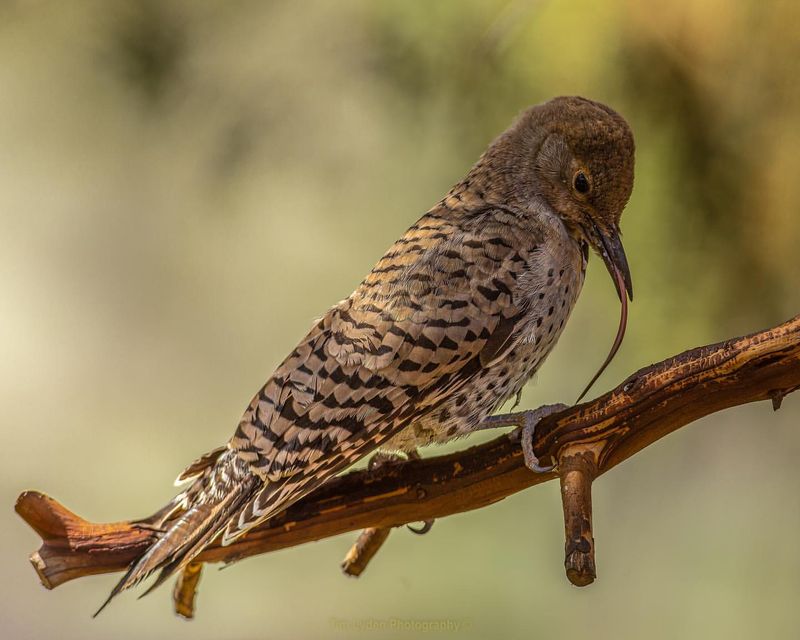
(452,321)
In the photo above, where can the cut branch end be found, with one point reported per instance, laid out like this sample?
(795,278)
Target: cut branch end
(368,544)
(577,469)
(185,592)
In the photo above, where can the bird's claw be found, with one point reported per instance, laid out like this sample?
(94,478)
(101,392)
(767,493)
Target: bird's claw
(427,525)
(531,421)
(384,458)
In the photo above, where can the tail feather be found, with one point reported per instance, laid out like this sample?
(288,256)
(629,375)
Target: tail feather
(224,489)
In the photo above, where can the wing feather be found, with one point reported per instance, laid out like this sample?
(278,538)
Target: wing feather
(440,302)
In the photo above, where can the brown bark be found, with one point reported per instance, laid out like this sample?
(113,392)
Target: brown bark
(185,591)
(586,440)
(369,542)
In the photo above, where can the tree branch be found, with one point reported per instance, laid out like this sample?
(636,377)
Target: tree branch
(586,441)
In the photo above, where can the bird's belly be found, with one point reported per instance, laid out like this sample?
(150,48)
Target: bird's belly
(483,393)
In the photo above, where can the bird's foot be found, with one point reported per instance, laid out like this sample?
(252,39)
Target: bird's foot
(526,421)
(427,525)
(531,421)
(382,458)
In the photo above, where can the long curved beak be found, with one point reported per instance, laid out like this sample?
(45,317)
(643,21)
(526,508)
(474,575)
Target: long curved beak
(613,254)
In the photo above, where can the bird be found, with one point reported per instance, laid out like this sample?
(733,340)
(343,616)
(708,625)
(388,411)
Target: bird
(449,325)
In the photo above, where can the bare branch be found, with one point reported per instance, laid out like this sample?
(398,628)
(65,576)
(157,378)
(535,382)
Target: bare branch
(586,441)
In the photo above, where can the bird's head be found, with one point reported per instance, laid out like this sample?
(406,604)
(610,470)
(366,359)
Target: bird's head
(577,155)
(583,168)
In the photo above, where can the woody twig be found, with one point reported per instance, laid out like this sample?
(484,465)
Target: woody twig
(586,441)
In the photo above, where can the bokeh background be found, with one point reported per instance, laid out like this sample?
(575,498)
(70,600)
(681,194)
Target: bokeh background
(185,186)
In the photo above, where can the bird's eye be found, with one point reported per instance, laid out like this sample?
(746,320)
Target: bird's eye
(581,183)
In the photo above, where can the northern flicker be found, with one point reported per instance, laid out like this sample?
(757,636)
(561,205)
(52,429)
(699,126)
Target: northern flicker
(453,320)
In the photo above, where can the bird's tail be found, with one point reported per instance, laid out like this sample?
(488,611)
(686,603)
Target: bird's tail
(222,485)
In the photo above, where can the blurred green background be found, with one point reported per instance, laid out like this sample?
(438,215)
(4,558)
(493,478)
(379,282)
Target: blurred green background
(185,186)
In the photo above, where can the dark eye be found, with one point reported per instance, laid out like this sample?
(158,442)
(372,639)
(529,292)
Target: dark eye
(581,182)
